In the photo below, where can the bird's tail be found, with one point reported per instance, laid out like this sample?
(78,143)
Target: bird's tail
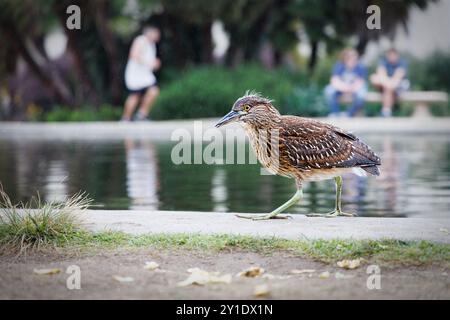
(373,170)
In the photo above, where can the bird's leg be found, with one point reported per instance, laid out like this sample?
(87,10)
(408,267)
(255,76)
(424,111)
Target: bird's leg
(338,210)
(275,213)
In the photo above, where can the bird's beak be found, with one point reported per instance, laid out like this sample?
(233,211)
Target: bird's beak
(231,116)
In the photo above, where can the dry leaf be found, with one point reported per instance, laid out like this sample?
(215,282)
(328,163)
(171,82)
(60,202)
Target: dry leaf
(151,265)
(349,264)
(324,275)
(47,271)
(269,276)
(251,272)
(339,275)
(160,271)
(201,277)
(261,290)
(123,279)
(301,271)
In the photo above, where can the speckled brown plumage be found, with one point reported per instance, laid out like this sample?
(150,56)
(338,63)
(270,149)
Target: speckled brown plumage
(308,149)
(301,148)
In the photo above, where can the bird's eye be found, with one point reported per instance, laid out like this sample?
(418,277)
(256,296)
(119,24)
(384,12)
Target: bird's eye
(246,108)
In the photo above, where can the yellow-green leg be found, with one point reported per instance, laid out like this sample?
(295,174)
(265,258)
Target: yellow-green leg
(338,210)
(275,214)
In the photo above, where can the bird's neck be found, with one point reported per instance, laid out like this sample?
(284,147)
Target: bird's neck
(266,122)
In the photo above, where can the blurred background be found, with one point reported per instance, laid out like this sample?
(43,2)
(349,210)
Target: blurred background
(211,53)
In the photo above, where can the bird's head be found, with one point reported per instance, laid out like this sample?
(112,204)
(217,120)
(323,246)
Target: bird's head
(252,109)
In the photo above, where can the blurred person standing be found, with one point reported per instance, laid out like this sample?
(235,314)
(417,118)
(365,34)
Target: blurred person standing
(139,74)
(390,79)
(348,77)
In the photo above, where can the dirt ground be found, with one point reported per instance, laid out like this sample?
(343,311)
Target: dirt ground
(18,281)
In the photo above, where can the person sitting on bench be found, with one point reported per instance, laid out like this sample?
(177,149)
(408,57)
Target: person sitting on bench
(390,79)
(348,77)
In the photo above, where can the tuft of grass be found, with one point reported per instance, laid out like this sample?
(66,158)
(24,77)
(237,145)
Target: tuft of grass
(36,223)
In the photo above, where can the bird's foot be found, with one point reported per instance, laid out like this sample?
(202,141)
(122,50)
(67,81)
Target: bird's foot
(332,214)
(263,216)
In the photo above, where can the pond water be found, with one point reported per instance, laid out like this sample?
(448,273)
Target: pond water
(139,174)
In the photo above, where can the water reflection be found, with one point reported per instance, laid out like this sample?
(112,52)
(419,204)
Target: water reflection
(142,174)
(353,193)
(389,177)
(139,174)
(219,193)
(55,187)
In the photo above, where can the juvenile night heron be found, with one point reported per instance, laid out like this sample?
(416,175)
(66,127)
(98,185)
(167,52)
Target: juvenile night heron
(300,148)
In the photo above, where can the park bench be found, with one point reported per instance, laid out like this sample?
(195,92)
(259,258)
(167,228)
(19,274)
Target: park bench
(421,99)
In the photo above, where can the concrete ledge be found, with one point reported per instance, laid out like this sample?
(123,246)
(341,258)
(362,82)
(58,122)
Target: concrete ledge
(299,227)
(162,130)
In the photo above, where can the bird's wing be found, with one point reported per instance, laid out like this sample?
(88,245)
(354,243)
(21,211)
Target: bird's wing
(308,144)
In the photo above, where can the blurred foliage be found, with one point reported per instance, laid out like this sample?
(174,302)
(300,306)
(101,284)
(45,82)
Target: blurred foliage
(97,53)
(211,91)
(431,73)
(66,114)
(306,101)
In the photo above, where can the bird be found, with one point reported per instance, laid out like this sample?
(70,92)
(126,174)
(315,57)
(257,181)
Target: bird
(300,148)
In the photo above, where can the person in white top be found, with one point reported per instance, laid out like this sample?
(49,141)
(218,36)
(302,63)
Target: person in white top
(139,77)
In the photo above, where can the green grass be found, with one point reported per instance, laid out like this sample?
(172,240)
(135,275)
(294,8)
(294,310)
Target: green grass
(35,224)
(385,252)
(47,225)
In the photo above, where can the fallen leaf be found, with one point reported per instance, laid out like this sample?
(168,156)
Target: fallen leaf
(160,271)
(261,290)
(47,271)
(201,277)
(301,271)
(443,230)
(251,272)
(324,275)
(269,276)
(123,279)
(349,264)
(339,275)
(151,265)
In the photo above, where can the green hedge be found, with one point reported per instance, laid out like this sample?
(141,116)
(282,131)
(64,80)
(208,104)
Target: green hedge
(211,91)
(65,114)
(431,73)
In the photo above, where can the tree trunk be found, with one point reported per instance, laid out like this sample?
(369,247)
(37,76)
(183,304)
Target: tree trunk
(362,44)
(54,84)
(39,56)
(207,44)
(109,44)
(88,90)
(172,48)
(313,57)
